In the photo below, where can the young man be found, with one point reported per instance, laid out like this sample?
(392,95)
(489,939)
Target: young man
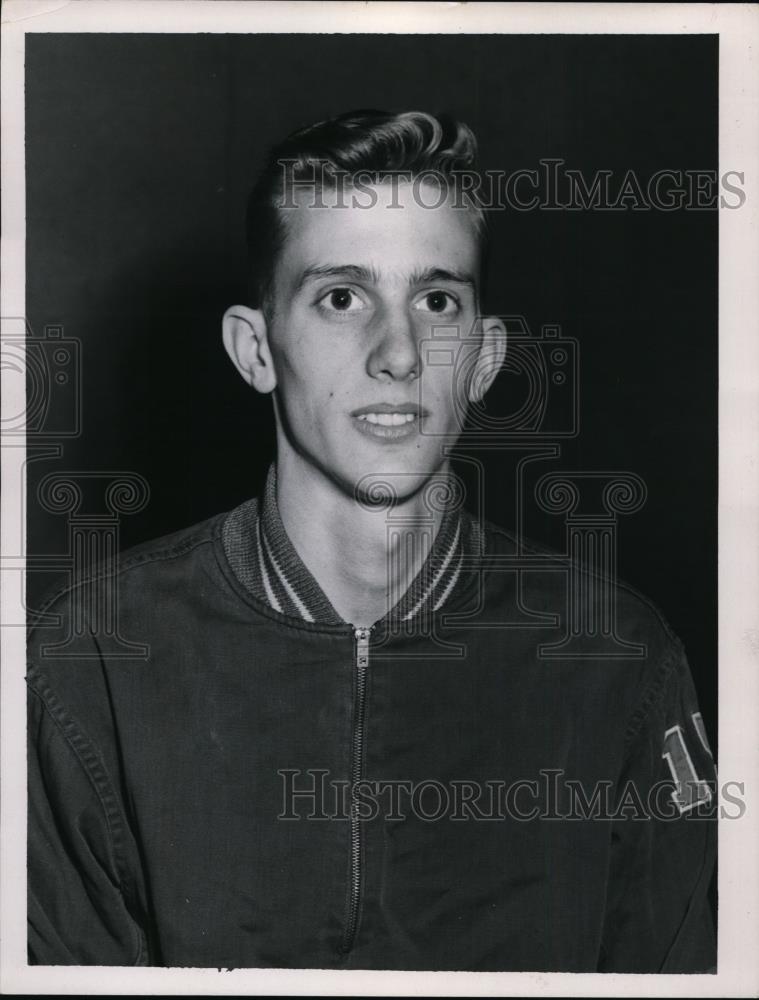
(344,746)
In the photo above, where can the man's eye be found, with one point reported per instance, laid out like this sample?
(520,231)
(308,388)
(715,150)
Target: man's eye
(341,300)
(437,302)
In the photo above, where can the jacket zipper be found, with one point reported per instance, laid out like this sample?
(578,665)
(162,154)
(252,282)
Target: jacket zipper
(361,635)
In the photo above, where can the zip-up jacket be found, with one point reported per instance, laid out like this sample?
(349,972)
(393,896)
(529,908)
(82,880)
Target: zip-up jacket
(223,772)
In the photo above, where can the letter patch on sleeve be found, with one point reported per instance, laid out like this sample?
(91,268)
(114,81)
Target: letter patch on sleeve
(690,790)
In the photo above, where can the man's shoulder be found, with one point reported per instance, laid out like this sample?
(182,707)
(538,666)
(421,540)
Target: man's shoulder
(585,626)
(583,583)
(139,569)
(145,606)
(172,545)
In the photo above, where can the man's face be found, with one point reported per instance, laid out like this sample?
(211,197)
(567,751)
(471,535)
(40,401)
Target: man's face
(357,291)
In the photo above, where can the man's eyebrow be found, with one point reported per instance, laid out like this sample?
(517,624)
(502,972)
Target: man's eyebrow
(353,271)
(430,275)
(357,272)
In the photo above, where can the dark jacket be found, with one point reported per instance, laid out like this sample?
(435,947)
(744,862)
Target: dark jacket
(495,821)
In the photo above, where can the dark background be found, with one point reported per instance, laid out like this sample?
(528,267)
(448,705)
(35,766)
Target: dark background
(141,150)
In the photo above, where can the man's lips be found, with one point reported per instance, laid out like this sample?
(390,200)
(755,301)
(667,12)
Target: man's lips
(403,409)
(389,420)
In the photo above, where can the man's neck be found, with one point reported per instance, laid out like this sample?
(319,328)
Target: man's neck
(363,558)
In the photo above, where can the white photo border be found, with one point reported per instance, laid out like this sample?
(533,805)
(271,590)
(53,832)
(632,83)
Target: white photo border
(738,28)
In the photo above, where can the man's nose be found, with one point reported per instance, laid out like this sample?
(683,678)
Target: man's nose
(395,352)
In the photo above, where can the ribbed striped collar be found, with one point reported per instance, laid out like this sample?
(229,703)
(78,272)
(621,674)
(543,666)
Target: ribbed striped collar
(266,563)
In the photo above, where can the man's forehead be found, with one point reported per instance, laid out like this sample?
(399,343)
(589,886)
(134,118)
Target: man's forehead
(396,232)
(386,201)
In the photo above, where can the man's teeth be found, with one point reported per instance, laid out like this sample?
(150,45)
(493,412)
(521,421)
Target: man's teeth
(388,419)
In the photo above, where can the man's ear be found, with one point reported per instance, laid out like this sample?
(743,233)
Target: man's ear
(490,358)
(245,337)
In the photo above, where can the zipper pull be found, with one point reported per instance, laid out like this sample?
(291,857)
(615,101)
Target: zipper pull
(362,634)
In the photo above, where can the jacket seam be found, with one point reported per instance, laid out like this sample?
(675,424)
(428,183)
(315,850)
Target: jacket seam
(97,775)
(125,564)
(651,696)
(539,549)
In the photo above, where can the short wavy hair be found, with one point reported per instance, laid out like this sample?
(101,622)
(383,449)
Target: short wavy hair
(372,144)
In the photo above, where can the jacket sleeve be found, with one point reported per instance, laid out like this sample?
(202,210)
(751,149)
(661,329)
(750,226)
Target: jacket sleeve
(79,909)
(663,837)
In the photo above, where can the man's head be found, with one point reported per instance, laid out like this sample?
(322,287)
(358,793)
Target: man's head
(366,245)
(363,147)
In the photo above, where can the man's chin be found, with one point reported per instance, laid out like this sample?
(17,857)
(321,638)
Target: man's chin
(396,483)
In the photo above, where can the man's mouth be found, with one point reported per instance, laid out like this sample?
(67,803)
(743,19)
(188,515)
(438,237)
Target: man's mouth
(388,421)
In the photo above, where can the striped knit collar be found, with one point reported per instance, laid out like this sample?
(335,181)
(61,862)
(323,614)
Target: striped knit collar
(265,561)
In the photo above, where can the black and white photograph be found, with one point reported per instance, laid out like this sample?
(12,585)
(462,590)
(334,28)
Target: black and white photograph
(379,567)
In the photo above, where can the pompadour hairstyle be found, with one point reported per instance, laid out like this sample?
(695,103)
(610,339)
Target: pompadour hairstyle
(369,143)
